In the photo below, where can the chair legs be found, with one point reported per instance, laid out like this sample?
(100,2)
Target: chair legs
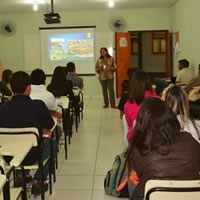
(65,143)
(24,193)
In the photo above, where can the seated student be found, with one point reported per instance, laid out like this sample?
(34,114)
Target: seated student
(6,76)
(140,87)
(22,112)
(59,86)
(184,76)
(158,148)
(39,91)
(4,90)
(177,100)
(72,76)
(124,95)
(193,92)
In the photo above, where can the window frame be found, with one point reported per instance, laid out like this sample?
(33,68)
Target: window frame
(132,42)
(159,53)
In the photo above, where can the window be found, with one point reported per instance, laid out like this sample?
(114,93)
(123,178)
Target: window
(134,44)
(159,42)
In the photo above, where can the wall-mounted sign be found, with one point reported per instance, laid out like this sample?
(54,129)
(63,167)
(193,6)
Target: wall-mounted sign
(123,42)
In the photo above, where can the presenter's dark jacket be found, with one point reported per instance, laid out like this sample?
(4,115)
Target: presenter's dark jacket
(22,112)
(181,163)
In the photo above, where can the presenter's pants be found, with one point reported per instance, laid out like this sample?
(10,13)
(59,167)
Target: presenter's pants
(107,86)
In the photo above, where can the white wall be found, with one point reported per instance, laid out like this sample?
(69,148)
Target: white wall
(12,48)
(184,17)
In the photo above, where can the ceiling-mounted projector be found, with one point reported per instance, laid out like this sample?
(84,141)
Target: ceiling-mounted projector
(52,18)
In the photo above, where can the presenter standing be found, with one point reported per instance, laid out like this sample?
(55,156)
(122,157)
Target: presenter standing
(105,67)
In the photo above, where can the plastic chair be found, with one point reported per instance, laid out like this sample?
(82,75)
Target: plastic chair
(7,192)
(80,105)
(9,135)
(64,104)
(172,190)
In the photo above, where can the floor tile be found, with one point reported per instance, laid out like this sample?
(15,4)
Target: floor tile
(100,195)
(73,183)
(77,169)
(101,169)
(98,183)
(71,195)
(82,154)
(91,154)
(104,157)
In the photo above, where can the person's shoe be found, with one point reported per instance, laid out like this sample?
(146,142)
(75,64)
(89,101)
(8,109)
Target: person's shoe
(37,187)
(105,106)
(114,107)
(19,180)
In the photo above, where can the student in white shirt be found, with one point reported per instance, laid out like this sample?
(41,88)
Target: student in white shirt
(39,91)
(185,75)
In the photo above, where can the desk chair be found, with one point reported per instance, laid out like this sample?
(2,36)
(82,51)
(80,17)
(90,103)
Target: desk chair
(64,104)
(78,107)
(81,104)
(17,135)
(78,92)
(172,190)
(7,192)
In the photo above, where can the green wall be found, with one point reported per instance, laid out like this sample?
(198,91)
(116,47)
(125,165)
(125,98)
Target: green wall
(184,17)
(12,48)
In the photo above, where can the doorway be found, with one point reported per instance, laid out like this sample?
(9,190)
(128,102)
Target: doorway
(150,52)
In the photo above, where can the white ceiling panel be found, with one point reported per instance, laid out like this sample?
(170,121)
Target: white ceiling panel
(19,6)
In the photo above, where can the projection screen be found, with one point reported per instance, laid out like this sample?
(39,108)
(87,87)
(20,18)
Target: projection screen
(62,45)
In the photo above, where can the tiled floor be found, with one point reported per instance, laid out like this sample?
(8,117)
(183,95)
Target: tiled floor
(90,154)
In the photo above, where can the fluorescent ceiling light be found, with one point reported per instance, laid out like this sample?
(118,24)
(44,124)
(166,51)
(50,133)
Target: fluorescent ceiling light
(35,1)
(35,6)
(110,4)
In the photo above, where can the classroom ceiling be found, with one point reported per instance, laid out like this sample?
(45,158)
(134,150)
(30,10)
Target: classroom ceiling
(21,6)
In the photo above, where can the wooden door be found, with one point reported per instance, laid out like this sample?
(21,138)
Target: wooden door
(1,70)
(123,58)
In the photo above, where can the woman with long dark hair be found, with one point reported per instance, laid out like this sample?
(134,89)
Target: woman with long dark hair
(5,87)
(59,86)
(6,76)
(159,150)
(105,67)
(140,87)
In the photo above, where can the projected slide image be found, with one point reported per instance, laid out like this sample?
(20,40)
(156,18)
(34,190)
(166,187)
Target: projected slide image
(71,46)
(80,48)
(58,51)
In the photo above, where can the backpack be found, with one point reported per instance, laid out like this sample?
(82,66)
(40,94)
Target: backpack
(115,176)
(116,180)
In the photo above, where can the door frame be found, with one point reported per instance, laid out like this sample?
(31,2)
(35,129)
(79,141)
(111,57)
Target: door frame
(167,55)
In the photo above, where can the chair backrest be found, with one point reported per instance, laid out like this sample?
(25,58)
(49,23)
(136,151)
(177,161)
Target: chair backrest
(63,101)
(2,165)
(76,91)
(19,134)
(172,190)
